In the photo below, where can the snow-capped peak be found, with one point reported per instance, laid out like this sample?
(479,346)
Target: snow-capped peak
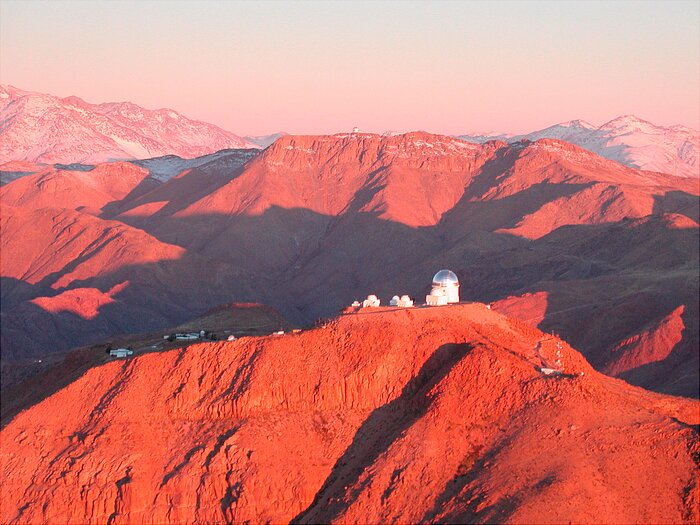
(630,123)
(627,139)
(44,128)
(578,123)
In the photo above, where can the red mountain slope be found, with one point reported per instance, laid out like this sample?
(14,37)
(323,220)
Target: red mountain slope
(416,178)
(423,415)
(419,180)
(624,295)
(411,178)
(75,279)
(88,190)
(25,382)
(65,246)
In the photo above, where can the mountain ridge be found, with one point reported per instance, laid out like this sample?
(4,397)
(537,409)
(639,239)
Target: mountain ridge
(43,128)
(330,219)
(627,139)
(115,130)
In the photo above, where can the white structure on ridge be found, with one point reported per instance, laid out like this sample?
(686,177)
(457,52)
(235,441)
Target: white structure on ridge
(187,336)
(402,302)
(120,352)
(371,301)
(445,289)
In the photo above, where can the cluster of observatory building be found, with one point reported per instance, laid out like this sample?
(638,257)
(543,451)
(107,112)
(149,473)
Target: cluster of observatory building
(445,290)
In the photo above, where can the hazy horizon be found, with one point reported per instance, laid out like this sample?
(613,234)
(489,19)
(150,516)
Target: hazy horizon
(314,68)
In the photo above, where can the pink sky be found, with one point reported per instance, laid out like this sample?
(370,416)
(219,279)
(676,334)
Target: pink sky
(319,67)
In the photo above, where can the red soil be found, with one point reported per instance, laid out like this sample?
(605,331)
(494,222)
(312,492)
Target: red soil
(649,346)
(422,415)
(37,243)
(530,307)
(66,189)
(84,302)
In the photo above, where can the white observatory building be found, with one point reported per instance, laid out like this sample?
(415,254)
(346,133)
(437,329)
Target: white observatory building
(371,302)
(445,289)
(402,302)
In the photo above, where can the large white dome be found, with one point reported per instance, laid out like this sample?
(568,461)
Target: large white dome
(445,278)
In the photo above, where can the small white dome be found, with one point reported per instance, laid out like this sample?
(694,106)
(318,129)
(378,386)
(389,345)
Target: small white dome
(405,298)
(445,278)
(372,297)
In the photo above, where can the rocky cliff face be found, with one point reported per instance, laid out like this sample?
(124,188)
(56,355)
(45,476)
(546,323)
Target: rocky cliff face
(430,414)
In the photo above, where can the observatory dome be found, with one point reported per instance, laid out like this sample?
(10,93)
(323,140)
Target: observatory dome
(445,289)
(445,278)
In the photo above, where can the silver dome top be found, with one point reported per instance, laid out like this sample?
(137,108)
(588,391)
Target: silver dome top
(445,278)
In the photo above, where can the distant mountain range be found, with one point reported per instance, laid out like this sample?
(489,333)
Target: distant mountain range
(43,128)
(265,140)
(627,139)
(47,129)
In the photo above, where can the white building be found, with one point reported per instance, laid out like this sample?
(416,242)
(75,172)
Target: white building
(550,371)
(371,301)
(402,302)
(188,336)
(120,352)
(445,289)
(405,302)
